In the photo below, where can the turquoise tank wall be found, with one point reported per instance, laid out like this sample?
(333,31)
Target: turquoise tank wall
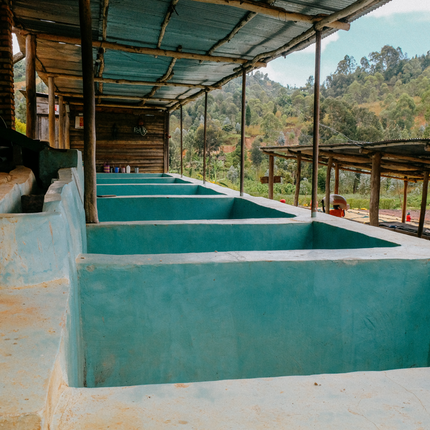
(126,179)
(152,320)
(181,208)
(154,189)
(138,238)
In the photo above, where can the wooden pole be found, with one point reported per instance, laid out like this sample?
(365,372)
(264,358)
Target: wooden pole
(182,161)
(67,128)
(375,185)
(405,199)
(316,124)
(166,142)
(336,179)
(51,112)
(298,175)
(61,143)
(242,133)
(271,169)
(204,137)
(327,185)
(423,204)
(30,78)
(90,183)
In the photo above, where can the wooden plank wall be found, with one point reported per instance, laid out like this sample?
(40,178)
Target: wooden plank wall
(125,147)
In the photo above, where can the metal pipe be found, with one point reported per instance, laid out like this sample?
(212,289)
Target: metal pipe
(242,134)
(204,137)
(181,147)
(316,124)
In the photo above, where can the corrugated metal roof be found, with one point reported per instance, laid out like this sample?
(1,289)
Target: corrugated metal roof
(194,26)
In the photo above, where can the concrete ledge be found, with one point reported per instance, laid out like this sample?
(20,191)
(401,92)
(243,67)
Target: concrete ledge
(395,400)
(13,185)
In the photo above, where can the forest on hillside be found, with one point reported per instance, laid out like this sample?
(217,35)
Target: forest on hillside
(384,96)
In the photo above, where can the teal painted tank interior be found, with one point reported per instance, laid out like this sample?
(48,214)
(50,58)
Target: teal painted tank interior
(132,175)
(138,238)
(154,189)
(159,322)
(126,179)
(182,208)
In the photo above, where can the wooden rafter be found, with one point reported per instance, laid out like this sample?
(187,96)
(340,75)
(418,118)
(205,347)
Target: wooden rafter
(119,105)
(166,21)
(142,50)
(168,75)
(139,83)
(247,18)
(116,97)
(280,13)
(104,9)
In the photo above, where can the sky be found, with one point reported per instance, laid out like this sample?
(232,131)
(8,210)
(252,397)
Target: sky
(404,23)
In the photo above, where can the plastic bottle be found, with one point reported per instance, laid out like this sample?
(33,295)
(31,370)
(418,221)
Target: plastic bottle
(127,169)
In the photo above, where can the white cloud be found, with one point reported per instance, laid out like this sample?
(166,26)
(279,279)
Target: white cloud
(400,7)
(324,43)
(15,44)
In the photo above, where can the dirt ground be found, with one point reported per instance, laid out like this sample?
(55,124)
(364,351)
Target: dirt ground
(415,214)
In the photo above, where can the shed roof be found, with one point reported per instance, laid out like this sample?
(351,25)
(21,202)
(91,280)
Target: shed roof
(402,159)
(121,27)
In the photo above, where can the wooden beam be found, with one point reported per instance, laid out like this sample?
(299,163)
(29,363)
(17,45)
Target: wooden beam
(90,184)
(316,127)
(390,155)
(67,128)
(405,199)
(61,143)
(170,10)
(242,133)
(334,17)
(168,75)
(138,83)
(18,57)
(181,149)
(143,50)
(423,204)
(277,12)
(248,17)
(205,121)
(298,175)
(51,112)
(375,185)
(166,142)
(30,79)
(116,97)
(118,105)
(336,179)
(327,185)
(271,174)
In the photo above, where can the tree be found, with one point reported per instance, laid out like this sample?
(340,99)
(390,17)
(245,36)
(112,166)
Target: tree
(270,124)
(248,115)
(256,154)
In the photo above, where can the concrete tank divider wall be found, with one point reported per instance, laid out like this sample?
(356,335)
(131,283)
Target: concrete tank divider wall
(39,303)
(180,318)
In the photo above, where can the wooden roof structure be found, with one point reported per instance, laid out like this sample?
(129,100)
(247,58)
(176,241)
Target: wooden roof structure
(400,159)
(164,53)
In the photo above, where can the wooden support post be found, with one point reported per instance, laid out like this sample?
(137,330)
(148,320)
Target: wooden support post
(316,125)
(336,179)
(423,203)
(61,143)
(182,150)
(51,112)
(67,128)
(298,175)
(90,183)
(327,185)
(375,185)
(30,79)
(271,169)
(166,142)
(405,199)
(242,133)
(204,137)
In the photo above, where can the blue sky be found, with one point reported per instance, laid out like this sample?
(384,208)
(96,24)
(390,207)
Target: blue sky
(404,23)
